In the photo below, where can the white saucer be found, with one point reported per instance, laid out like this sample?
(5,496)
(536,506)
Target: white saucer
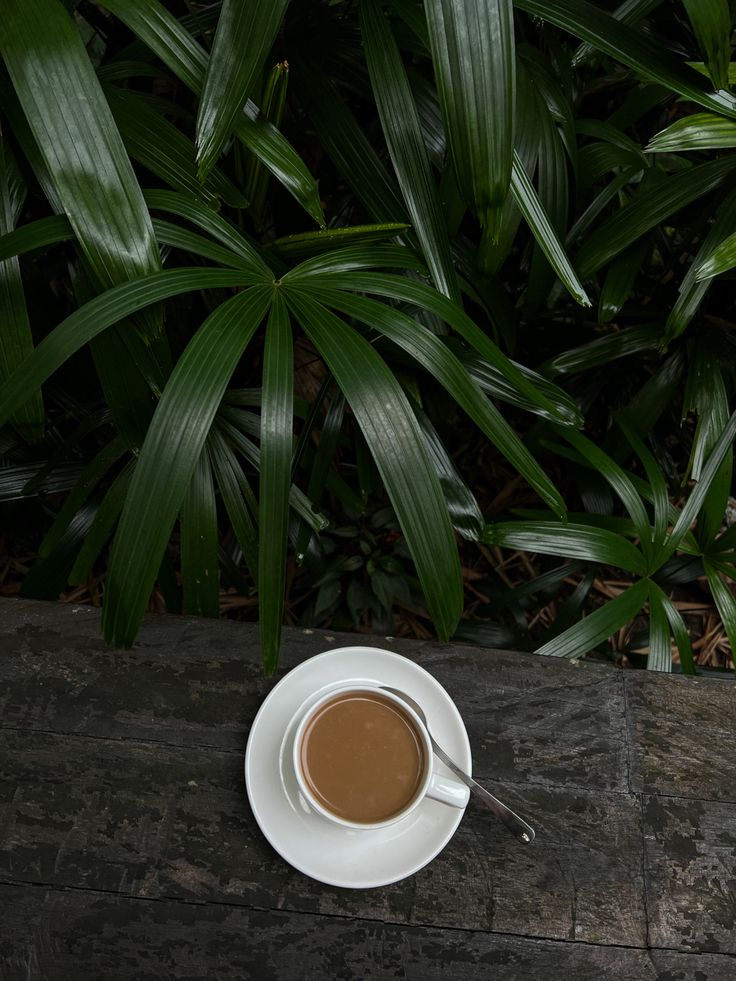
(314,846)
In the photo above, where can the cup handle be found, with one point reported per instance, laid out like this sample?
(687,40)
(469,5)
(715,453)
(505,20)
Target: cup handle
(447,790)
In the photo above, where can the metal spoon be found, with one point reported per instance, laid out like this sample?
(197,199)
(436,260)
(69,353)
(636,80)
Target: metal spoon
(518,827)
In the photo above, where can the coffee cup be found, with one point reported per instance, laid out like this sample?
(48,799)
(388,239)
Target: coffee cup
(363,759)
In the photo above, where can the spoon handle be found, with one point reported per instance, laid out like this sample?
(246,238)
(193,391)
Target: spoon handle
(518,826)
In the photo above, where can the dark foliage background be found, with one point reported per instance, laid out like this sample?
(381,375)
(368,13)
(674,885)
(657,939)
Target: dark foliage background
(491,398)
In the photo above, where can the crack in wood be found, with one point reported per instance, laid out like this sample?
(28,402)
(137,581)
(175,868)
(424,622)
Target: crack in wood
(175,900)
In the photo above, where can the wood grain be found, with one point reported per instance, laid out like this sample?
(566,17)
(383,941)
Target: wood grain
(52,935)
(529,720)
(128,849)
(691,873)
(153,820)
(680,731)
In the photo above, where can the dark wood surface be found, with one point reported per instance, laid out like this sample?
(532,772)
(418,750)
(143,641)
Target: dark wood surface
(128,850)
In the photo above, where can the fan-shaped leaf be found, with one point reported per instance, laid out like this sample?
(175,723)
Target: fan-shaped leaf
(199,544)
(168,39)
(474,60)
(393,436)
(599,625)
(243,39)
(403,133)
(169,456)
(277,427)
(711,20)
(647,208)
(91,319)
(79,142)
(631,47)
(573,540)
(702,131)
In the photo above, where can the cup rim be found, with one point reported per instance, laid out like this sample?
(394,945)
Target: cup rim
(358,686)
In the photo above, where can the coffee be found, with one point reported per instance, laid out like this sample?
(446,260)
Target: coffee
(362,757)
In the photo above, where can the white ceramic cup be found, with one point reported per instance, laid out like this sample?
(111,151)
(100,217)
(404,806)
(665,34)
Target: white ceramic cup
(435,784)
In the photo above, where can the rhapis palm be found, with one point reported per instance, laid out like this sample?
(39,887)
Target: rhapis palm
(165,156)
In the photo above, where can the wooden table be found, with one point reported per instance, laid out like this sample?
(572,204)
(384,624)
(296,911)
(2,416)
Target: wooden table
(128,850)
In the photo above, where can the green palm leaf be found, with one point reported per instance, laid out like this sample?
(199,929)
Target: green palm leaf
(209,221)
(620,278)
(599,625)
(161,147)
(237,496)
(474,60)
(35,235)
(352,258)
(659,495)
(395,441)
(576,541)
(720,260)
(702,131)
(277,422)
(648,208)
(298,499)
(601,351)
(350,149)
(660,647)
(429,351)
(88,481)
(16,340)
(401,127)
(464,511)
(711,20)
(536,218)
(51,231)
(629,12)
(315,243)
(423,296)
(619,481)
(490,380)
(79,142)
(630,47)
(699,493)
(678,630)
(168,39)
(169,455)
(199,544)
(243,39)
(102,526)
(726,604)
(91,319)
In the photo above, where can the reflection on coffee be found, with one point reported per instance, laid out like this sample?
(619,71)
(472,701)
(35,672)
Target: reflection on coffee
(362,757)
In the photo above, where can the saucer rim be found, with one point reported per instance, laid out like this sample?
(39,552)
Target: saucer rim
(437,846)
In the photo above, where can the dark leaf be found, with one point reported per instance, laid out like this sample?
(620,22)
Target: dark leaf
(393,436)
(277,422)
(169,455)
(240,47)
(403,133)
(79,142)
(598,626)
(199,543)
